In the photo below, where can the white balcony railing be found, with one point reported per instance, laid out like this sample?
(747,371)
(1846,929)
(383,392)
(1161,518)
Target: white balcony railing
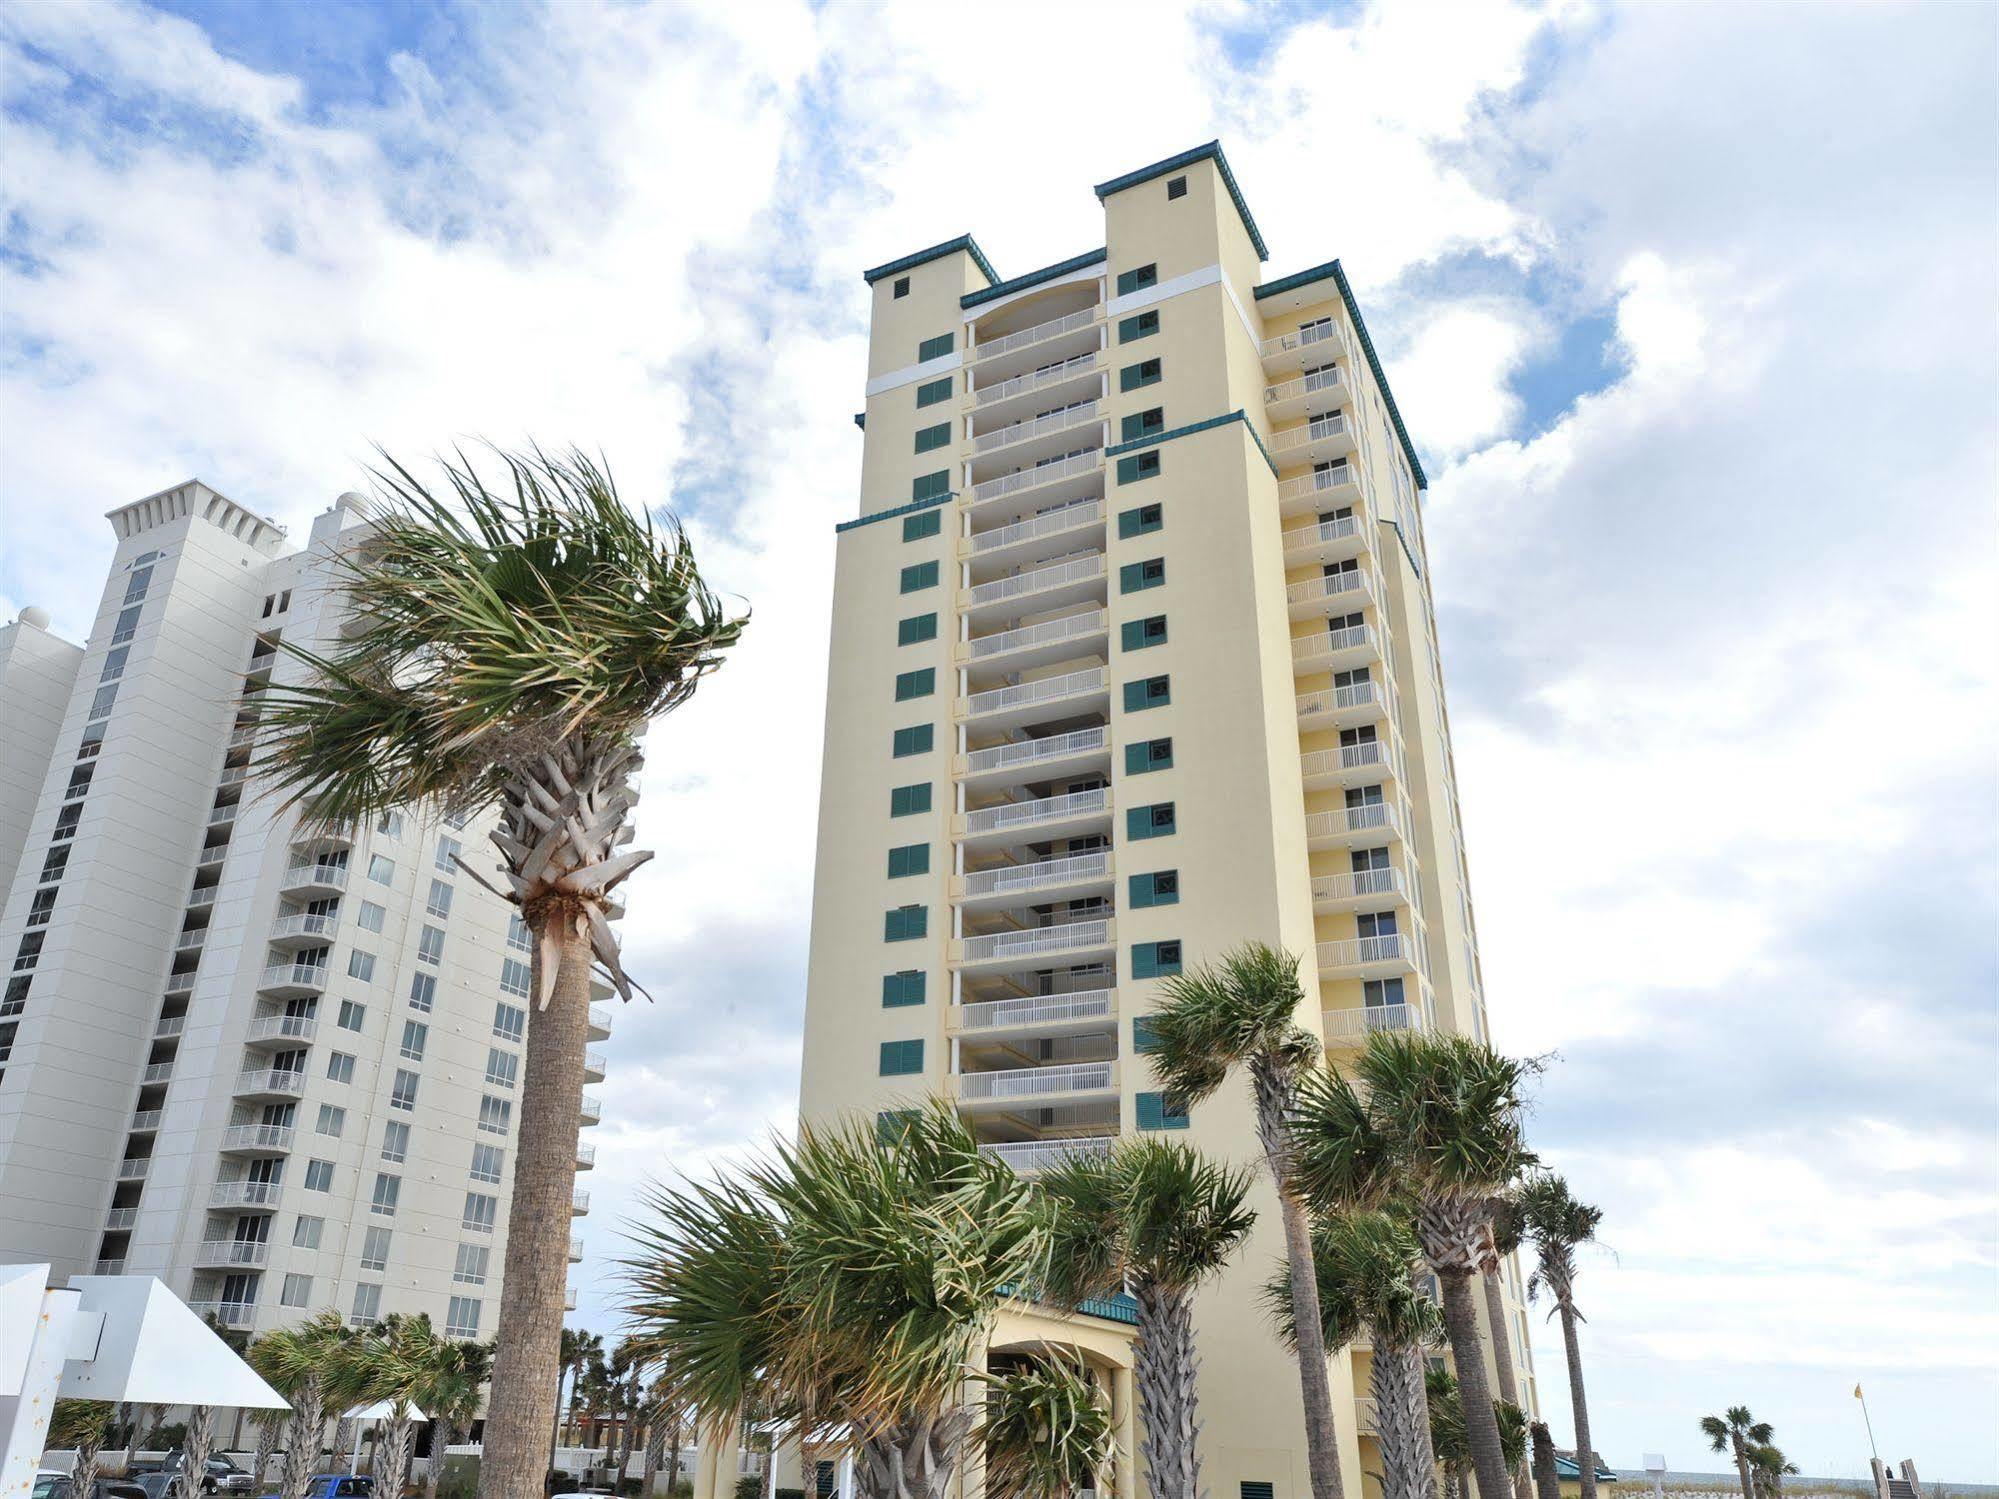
(232,1252)
(257,1137)
(1033,1082)
(1040,1009)
(312,872)
(1304,385)
(1041,809)
(1340,699)
(579,1201)
(1031,751)
(1370,755)
(304,924)
(234,775)
(240,737)
(110,1267)
(1322,533)
(1039,333)
(1359,885)
(1075,570)
(1049,523)
(1355,1025)
(1036,1155)
(1375,816)
(286,975)
(227,1313)
(117,1220)
(157,1072)
(1034,941)
(1043,690)
(1357,584)
(592,1109)
(1048,632)
(1326,642)
(134,1168)
(593,1061)
(1304,338)
(1040,426)
(244,1194)
(169,1026)
(1359,952)
(586,1155)
(1041,473)
(1334,425)
(191,941)
(270,1080)
(281,1028)
(146,1121)
(1018,879)
(1306,485)
(1034,380)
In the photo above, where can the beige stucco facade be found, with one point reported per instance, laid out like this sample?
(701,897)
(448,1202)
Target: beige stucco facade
(1133,659)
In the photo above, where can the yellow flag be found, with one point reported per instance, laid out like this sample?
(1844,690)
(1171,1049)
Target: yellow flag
(1856,1393)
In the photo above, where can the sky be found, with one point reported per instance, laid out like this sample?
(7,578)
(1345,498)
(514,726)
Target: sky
(1691,311)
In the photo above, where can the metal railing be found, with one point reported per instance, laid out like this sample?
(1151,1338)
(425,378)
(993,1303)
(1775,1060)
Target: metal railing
(1392,947)
(1041,809)
(282,1028)
(270,1080)
(233,775)
(169,1025)
(1304,385)
(591,1109)
(110,1267)
(1321,533)
(293,973)
(146,1120)
(1039,333)
(1040,426)
(219,815)
(1373,753)
(1041,473)
(232,1252)
(1029,751)
(1016,879)
(134,1168)
(1359,884)
(1034,941)
(304,924)
(1332,586)
(156,1072)
(575,1248)
(1351,1025)
(1375,815)
(242,736)
(1040,1009)
(201,898)
(1033,380)
(210,857)
(1019,585)
(1048,632)
(244,1194)
(1042,690)
(1303,338)
(579,1201)
(1337,699)
(1307,485)
(600,1017)
(1334,425)
(586,1155)
(257,1137)
(593,1060)
(1031,1082)
(119,1219)
(227,1313)
(313,872)
(1325,642)
(189,941)
(1034,1155)
(1050,523)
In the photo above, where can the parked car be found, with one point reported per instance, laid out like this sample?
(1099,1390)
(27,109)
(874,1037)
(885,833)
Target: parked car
(52,1485)
(220,1477)
(340,1486)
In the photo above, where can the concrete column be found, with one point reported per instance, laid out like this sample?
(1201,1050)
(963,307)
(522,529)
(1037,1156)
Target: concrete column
(1124,1410)
(715,1469)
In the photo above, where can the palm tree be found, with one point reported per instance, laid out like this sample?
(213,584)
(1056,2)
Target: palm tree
(1242,1012)
(578,1349)
(1547,1483)
(270,1429)
(300,1363)
(1366,1264)
(1159,1219)
(81,1424)
(401,1362)
(1557,1223)
(1448,1437)
(1048,1431)
(844,1281)
(1503,1229)
(455,1403)
(510,649)
(1737,1431)
(1767,1467)
(1432,1121)
(196,1442)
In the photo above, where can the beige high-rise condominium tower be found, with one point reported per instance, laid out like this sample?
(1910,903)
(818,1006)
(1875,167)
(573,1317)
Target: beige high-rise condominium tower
(1133,658)
(274,1065)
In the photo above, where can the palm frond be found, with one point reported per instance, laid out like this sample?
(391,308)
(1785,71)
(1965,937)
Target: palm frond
(1229,1013)
(1366,1264)
(1048,1429)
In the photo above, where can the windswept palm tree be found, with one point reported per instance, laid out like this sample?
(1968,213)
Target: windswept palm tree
(270,1431)
(1735,1432)
(81,1424)
(1242,1013)
(1366,1263)
(508,649)
(404,1363)
(845,1281)
(1767,1467)
(1503,1229)
(1558,1224)
(301,1362)
(577,1349)
(1160,1219)
(1048,1430)
(1432,1121)
(455,1403)
(196,1442)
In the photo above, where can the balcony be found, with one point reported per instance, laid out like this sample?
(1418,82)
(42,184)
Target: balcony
(1327,540)
(1074,939)
(191,941)
(146,1121)
(1068,478)
(1335,593)
(1366,826)
(226,1313)
(998,359)
(1037,388)
(586,1157)
(1031,759)
(1037,432)
(1043,1014)
(156,1072)
(303,929)
(1309,395)
(169,1026)
(1045,817)
(271,1082)
(591,1110)
(1327,489)
(1351,765)
(233,775)
(201,898)
(1335,650)
(118,1220)
(223,1254)
(109,1267)
(600,1023)
(223,816)
(1073,691)
(1366,1416)
(247,734)
(1053,533)
(1043,588)
(134,1168)
(569,1298)
(257,1139)
(579,1203)
(280,1030)
(313,877)
(1315,343)
(1319,441)
(1034,1082)
(1342,707)
(1011,884)
(593,1065)
(1026,1156)
(1087,633)
(244,1194)
(293,980)
(1351,1028)
(1367,957)
(1364,889)
(576,1249)
(211,858)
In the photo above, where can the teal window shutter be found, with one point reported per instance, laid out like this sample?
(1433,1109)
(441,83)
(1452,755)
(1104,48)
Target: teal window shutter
(905,800)
(930,392)
(932,348)
(917,739)
(928,438)
(901,990)
(901,1058)
(1154,1114)
(1134,577)
(1155,821)
(916,527)
(1137,634)
(1152,960)
(1148,755)
(910,858)
(1137,280)
(918,576)
(913,684)
(916,629)
(928,487)
(1136,522)
(1160,888)
(1137,466)
(1144,1037)
(905,923)
(892,1124)
(1141,325)
(1138,376)
(1144,423)
(1149,692)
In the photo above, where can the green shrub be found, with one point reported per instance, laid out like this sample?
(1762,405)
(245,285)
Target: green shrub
(460,1476)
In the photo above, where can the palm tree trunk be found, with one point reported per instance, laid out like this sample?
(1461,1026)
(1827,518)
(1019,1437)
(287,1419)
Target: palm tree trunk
(1585,1453)
(1402,1418)
(914,1459)
(1163,1369)
(267,1443)
(1481,1426)
(441,1432)
(194,1449)
(522,1404)
(1734,1437)
(555,1421)
(1502,1360)
(392,1455)
(673,1458)
(1547,1482)
(302,1439)
(83,1476)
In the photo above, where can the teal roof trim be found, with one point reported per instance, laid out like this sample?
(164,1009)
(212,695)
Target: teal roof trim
(1212,151)
(909,509)
(1212,422)
(963,242)
(1032,278)
(1118,1308)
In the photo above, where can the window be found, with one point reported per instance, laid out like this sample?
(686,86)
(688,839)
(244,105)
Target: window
(381,869)
(936,348)
(901,1058)
(930,392)
(305,1232)
(929,439)
(487,1160)
(901,287)
(319,1176)
(43,903)
(926,487)
(1138,280)
(510,1022)
(516,978)
(905,923)
(919,575)
(439,903)
(332,1121)
(1155,821)
(1152,692)
(900,990)
(916,629)
(66,821)
(1137,634)
(100,705)
(1144,1035)
(80,778)
(114,664)
(367,1304)
(29,951)
(1148,755)
(390,824)
(502,1067)
(496,1115)
(471,1267)
(1161,888)
(423,991)
(1147,423)
(915,740)
(1143,325)
(915,684)
(54,863)
(1134,577)
(1138,466)
(395,1141)
(481,1212)
(1138,376)
(1152,960)
(340,1067)
(360,965)
(1378,992)
(1176,187)
(415,1035)
(371,916)
(892,1124)
(430,944)
(297,1291)
(375,1249)
(1153,1113)
(518,936)
(911,858)
(461,1317)
(128,622)
(388,1189)
(403,1094)
(904,800)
